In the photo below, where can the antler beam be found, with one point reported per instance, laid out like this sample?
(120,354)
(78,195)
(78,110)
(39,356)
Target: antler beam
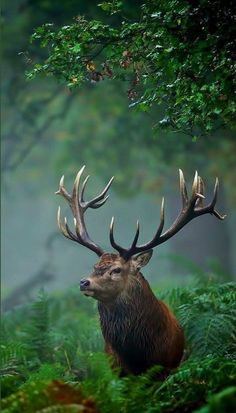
(191,208)
(78,206)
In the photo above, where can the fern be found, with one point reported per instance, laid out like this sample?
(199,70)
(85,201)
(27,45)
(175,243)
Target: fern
(208,316)
(12,357)
(46,372)
(13,367)
(61,353)
(224,401)
(38,330)
(209,320)
(184,390)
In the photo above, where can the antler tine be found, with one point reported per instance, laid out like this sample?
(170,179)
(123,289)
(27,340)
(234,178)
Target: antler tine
(77,230)
(155,240)
(125,253)
(94,203)
(161,225)
(136,236)
(70,233)
(62,191)
(191,209)
(194,189)
(215,194)
(75,193)
(116,246)
(211,205)
(200,188)
(78,207)
(59,223)
(99,204)
(63,227)
(162,216)
(200,192)
(197,196)
(83,188)
(134,249)
(183,188)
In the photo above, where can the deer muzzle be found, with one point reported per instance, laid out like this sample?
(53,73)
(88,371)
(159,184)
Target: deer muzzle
(84,284)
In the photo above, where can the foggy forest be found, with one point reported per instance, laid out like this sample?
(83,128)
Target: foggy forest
(144,93)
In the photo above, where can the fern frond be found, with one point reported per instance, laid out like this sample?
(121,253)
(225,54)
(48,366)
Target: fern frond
(37,332)
(224,401)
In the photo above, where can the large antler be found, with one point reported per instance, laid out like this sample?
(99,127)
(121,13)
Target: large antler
(191,208)
(78,207)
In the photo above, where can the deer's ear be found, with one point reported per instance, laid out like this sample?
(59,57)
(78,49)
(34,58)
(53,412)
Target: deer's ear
(142,259)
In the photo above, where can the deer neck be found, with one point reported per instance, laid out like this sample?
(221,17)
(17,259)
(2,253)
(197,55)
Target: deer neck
(124,319)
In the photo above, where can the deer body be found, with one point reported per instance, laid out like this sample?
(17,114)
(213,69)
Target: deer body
(139,330)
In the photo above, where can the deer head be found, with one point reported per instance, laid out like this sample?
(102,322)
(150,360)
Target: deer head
(115,273)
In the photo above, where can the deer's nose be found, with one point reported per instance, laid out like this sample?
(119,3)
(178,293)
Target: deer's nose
(84,283)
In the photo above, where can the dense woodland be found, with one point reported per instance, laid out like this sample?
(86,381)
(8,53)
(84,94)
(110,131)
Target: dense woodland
(88,83)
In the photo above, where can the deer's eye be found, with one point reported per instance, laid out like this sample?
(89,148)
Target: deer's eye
(116,270)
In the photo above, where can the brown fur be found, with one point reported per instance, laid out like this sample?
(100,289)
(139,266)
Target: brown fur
(139,330)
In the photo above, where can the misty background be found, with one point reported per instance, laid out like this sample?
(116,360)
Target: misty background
(48,131)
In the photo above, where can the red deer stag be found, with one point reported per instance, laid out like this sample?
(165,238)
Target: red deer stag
(139,330)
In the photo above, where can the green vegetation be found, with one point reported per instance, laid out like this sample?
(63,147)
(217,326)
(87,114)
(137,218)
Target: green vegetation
(53,360)
(92,123)
(177,55)
(171,62)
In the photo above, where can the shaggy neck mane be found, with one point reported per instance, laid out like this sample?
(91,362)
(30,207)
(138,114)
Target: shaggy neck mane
(126,322)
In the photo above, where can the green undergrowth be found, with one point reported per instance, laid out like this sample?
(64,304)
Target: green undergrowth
(52,357)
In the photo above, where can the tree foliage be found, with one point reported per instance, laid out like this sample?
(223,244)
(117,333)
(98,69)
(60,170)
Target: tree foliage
(176,54)
(94,125)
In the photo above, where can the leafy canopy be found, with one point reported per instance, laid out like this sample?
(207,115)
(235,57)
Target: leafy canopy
(176,54)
